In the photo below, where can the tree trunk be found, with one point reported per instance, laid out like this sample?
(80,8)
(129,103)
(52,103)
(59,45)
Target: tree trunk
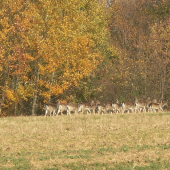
(34,103)
(35,92)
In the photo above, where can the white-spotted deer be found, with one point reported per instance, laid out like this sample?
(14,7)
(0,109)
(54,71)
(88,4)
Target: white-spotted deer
(84,107)
(142,105)
(62,107)
(93,106)
(154,107)
(100,109)
(88,107)
(49,109)
(128,106)
(116,107)
(109,108)
(71,107)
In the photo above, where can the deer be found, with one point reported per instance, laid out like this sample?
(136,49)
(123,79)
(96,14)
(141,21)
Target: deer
(128,106)
(50,109)
(62,107)
(142,105)
(100,109)
(71,107)
(94,105)
(109,108)
(116,106)
(88,107)
(157,106)
(84,107)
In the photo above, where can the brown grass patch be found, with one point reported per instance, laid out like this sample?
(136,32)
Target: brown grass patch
(49,142)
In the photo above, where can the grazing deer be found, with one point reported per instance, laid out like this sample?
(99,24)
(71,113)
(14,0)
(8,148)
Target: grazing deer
(94,105)
(84,107)
(88,107)
(116,107)
(71,107)
(50,109)
(109,108)
(128,106)
(62,107)
(157,106)
(100,109)
(142,105)
(148,102)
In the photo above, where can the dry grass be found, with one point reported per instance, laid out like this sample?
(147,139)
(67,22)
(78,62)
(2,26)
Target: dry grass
(133,141)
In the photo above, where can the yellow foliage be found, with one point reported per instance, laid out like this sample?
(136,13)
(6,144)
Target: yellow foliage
(10,94)
(29,57)
(22,93)
(55,45)
(46,95)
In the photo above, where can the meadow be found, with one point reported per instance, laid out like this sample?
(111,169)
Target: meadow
(129,141)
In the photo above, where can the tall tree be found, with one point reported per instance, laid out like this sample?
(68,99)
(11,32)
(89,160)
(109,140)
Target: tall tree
(48,46)
(132,33)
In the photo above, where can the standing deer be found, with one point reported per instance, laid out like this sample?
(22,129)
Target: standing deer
(109,108)
(84,107)
(71,107)
(116,107)
(49,109)
(129,106)
(94,105)
(100,109)
(142,105)
(62,107)
(157,106)
(88,107)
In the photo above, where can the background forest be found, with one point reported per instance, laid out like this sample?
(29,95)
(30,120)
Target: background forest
(78,50)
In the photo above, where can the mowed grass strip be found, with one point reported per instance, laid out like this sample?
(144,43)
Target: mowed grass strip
(129,141)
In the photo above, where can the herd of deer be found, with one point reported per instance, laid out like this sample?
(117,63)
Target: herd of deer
(98,108)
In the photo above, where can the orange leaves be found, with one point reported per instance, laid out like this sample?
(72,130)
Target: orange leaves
(49,46)
(16,95)
(11,95)
(29,57)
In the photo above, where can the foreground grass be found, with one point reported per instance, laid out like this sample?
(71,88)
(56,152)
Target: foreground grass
(130,141)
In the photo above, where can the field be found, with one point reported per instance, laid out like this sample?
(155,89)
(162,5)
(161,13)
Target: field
(129,141)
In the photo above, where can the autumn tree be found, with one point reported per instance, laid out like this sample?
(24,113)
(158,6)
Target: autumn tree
(48,46)
(132,30)
(14,63)
(159,55)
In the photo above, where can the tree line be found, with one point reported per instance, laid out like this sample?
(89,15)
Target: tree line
(75,51)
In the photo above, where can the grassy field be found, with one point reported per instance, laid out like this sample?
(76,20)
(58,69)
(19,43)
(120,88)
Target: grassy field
(129,141)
